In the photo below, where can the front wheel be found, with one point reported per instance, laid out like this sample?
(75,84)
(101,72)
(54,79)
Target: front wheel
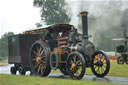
(76,65)
(120,60)
(100,64)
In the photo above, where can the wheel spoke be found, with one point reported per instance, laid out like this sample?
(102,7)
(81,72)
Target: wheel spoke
(98,70)
(95,67)
(43,62)
(78,71)
(103,60)
(71,62)
(36,65)
(38,70)
(42,57)
(35,53)
(34,59)
(74,58)
(37,50)
(102,69)
(95,63)
(42,68)
(77,62)
(40,49)
(101,57)
(41,52)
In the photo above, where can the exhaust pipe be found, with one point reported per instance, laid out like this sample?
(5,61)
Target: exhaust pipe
(84,16)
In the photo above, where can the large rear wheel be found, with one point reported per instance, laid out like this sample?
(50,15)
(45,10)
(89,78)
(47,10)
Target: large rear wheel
(76,65)
(39,59)
(100,64)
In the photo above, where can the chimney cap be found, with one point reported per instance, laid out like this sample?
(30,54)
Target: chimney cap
(84,13)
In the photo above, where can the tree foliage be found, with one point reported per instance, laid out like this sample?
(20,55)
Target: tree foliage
(4,44)
(52,11)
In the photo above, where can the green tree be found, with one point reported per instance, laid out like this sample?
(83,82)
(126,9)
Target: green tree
(52,11)
(38,25)
(4,44)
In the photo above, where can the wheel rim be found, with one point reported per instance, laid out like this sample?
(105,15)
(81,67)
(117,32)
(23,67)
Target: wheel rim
(100,64)
(75,66)
(38,59)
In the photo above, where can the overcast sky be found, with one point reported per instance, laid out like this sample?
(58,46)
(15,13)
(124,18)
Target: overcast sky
(20,15)
(17,15)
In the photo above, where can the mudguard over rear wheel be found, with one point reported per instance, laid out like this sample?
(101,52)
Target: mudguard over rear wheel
(100,64)
(39,59)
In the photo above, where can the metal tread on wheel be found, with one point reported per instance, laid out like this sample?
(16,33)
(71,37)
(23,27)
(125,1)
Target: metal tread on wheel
(39,59)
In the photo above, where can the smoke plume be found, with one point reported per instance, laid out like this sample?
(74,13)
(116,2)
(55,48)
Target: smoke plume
(104,20)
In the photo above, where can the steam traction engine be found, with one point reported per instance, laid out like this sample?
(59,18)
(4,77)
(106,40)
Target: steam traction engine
(62,47)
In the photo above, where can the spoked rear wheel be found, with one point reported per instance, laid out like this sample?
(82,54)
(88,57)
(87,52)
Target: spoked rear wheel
(39,59)
(76,65)
(100,64)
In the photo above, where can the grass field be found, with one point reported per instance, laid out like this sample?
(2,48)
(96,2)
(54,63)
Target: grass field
(31,80)
(3,58)
(115,70)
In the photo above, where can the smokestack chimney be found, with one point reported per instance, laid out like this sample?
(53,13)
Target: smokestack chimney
(84,16)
